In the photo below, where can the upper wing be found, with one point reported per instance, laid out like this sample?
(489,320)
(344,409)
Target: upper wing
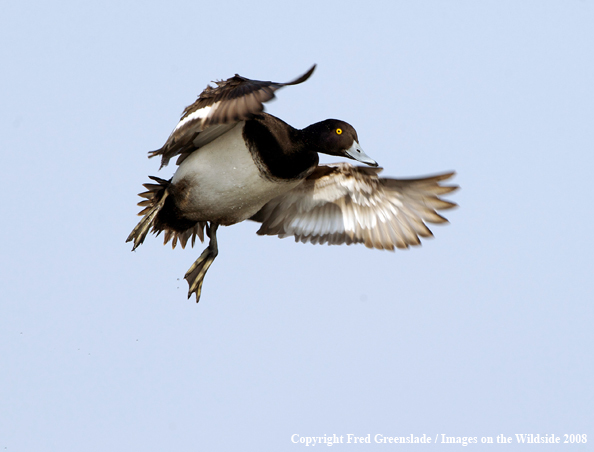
(216,111)
(343,203)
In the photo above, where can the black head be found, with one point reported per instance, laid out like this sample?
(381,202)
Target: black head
(335,137)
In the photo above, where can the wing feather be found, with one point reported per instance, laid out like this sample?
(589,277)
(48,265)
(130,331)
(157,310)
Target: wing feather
(220,107)
(343,203)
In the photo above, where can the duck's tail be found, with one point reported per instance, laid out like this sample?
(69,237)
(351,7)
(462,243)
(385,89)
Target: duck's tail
(154,201)
(155,195)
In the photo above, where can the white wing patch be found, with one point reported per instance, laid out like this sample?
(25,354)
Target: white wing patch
(347,204)
(202,114)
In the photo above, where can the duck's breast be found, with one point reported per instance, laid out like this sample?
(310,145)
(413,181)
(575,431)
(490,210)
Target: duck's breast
(221,181)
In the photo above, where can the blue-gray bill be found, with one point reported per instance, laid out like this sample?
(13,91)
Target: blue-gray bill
(356,153)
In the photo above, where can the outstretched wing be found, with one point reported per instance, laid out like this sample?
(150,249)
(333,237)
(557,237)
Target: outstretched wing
(216,111)
(343,203)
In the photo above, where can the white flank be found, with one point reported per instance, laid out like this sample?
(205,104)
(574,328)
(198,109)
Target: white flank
(226,184)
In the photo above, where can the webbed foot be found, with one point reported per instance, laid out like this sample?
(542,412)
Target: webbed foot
(195,275)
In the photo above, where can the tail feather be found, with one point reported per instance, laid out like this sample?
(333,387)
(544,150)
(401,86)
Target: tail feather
(155,198)
(183,237)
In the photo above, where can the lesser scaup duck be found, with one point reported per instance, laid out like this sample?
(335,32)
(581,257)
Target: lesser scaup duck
(238,163)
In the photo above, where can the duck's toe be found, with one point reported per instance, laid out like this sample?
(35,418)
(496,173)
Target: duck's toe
(195,275)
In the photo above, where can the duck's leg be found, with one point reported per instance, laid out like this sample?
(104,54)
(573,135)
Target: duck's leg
(195,275)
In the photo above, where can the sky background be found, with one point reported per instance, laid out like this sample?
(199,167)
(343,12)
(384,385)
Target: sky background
(484,330)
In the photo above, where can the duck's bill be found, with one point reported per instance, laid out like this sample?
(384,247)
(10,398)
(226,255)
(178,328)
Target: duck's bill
(355,152)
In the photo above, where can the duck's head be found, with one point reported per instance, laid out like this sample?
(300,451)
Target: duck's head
(336,137)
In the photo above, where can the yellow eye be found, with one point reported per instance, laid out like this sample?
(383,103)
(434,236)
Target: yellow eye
(338,131)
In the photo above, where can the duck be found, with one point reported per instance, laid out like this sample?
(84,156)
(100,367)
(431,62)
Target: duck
(235,162)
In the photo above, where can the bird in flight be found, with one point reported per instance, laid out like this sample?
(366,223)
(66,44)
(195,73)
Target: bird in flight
(236,162)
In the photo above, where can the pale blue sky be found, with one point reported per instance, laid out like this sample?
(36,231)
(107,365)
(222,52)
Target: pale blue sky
(485,329)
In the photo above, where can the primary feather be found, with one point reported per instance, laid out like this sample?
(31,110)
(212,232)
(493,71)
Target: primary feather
(343,203)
